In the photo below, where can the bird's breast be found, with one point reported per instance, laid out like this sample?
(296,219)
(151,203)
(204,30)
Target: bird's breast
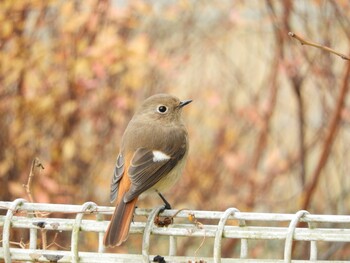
(170,179)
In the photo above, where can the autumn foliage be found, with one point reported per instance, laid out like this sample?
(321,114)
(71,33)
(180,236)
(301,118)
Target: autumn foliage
(269,125)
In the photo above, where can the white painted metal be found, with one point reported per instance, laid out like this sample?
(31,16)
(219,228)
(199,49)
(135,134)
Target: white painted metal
(250,226)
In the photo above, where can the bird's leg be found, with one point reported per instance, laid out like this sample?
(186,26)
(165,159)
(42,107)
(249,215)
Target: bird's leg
(167,206)
(166,220)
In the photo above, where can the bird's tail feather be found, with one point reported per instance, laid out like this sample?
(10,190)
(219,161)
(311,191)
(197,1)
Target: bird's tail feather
(118,229)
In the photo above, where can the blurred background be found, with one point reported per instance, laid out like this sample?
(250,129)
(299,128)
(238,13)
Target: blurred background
(269,124)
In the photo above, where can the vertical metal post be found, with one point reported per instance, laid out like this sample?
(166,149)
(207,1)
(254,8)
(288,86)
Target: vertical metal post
(6,229)
(290,234)
(172,245)
(76,229)
(219,232)
(101,247)
(33,236)
(147,233)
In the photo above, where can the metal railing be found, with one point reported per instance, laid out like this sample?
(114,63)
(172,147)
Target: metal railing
(244,230)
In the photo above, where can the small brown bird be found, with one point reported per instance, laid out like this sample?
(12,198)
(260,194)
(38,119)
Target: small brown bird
(151,159)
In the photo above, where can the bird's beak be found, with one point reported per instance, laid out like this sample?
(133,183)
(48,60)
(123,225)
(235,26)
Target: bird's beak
(184,103)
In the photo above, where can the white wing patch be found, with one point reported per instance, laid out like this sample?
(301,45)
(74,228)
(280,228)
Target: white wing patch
(159,156)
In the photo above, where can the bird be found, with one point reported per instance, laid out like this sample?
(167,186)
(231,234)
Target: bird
(152,156)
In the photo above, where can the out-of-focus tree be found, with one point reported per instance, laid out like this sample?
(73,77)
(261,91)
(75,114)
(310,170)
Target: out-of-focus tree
(269,123)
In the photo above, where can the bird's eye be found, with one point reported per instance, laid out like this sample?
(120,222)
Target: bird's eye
(162,109)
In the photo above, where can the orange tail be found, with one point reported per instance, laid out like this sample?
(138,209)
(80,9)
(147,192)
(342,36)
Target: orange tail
(118,229)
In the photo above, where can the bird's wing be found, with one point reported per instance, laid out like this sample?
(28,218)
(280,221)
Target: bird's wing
(149,166)
(118,173)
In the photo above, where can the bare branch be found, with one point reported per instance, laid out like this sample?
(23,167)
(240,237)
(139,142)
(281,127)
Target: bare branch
(313,44)
(330,137)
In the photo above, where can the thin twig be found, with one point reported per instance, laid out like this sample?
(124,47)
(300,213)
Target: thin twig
(21,244)
(193,219)
(55,243)
(36,163)
(313,44)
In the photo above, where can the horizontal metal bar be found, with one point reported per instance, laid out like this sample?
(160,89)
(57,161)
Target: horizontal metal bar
(59,208)
(249,232)
(91,257)
(271,217)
